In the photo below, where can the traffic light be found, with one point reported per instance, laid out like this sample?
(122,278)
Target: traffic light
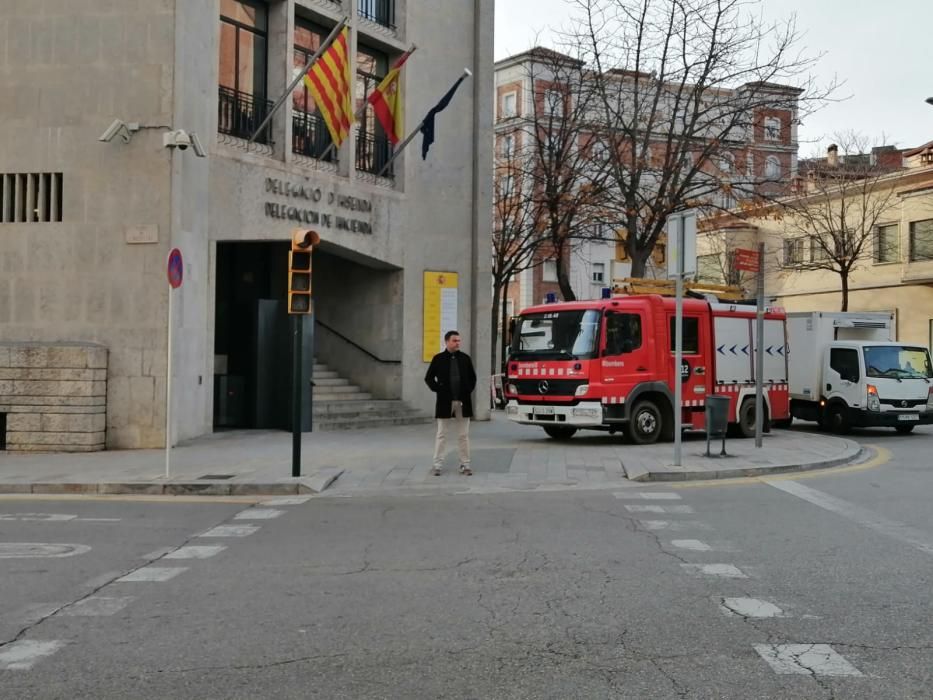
(299,270)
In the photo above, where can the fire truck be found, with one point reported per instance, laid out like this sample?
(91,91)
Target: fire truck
(608,364)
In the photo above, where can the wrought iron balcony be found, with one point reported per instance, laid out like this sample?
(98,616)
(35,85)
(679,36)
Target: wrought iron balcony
(372,153)
(239,114)
(310,136)
(378,11)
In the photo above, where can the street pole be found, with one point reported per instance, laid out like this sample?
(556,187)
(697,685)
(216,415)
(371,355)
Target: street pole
(168,391)
(679,343)
(296,394)
(760,348)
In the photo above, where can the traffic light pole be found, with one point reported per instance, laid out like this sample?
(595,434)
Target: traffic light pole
(296,394)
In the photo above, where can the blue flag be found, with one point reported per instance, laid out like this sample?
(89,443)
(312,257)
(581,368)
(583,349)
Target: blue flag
(427,126)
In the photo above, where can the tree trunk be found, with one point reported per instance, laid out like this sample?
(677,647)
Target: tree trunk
(505,326)
(845,290)
(563,279)
(496,299)
(639,260)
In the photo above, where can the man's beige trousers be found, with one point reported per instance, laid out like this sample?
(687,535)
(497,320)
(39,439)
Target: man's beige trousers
(462,426)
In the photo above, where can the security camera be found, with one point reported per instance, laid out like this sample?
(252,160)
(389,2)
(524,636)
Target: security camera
(196,145)
(118,126)
(177,139)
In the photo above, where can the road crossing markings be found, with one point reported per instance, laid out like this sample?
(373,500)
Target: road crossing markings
(40,550)
(722,570)
(96,606)
(693,545)
(152,574)
(892,528)
(258,514)
(195,552)
(750,607)
(806,659)
(287,501)
(658,509)
(673,525)
(649,496)
(230,531)
(23,655)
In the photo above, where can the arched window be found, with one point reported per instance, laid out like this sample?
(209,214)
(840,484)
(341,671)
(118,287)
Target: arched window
(772,168)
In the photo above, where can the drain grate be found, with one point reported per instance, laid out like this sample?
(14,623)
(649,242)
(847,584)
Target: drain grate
(215,477)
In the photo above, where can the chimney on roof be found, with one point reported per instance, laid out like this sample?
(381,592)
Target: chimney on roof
(832,155)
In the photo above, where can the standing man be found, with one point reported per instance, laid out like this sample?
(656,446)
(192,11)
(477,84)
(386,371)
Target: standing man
(452,378)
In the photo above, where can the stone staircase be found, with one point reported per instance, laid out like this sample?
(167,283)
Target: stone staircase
(340,405)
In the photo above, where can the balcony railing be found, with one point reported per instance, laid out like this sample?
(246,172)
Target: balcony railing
(310,136)
(372,153)
(378,11)
(239,114)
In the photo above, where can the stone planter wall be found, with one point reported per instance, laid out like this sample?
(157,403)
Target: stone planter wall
(53,397)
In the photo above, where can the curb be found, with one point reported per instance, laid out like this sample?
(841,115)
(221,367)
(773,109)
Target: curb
(301,486)
(642,475)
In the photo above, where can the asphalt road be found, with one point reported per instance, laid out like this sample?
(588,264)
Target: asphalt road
(814,586)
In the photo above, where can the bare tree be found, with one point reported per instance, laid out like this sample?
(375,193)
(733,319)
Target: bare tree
(681,84)
(833,225)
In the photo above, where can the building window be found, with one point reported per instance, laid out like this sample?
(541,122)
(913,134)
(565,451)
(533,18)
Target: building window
(599,273)
(378,11)
(310,136)
(373,149)
(709,268)
(508,146)
(30,198)
(772,129)
(554,103)
(507,185)
(549,271)
(243,55)
(921,240)
(509,105)
(818,252)
(726,163)
(772,168)
(793,251)
(887,244)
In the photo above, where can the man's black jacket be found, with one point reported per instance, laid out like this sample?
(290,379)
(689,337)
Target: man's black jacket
(438,380)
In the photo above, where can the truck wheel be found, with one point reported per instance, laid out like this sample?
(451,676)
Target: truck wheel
(645,424)
(746,422)
(904,429)
(559,433)
(836,420)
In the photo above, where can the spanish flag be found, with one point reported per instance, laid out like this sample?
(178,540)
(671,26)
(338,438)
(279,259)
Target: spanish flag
(329,81)
(386,100)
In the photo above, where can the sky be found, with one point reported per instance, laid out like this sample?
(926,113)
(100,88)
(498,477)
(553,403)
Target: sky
(880,51)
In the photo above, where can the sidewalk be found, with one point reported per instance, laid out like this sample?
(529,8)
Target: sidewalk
(505,457)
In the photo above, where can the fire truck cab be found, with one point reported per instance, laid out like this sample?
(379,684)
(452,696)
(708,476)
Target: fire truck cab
(608,364)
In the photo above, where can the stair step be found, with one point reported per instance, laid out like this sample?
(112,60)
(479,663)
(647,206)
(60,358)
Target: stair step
(325,374)
(318,367)
(346,396)
(350,413)
(346,388)
(371,406)
(421,419)
(330,382)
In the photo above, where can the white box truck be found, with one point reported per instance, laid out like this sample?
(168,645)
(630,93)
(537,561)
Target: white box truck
(846,370)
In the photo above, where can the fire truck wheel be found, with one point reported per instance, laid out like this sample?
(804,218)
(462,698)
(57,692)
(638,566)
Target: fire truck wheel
(746,421)
(646,423)
(560,433)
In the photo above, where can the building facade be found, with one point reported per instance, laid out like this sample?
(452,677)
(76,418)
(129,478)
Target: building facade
(87,225)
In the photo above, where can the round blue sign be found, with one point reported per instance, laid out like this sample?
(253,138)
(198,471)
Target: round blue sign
(176,268)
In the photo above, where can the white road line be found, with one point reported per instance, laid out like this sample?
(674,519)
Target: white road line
(750,607)
(723,570)
(37,517)
(673,525)
(194,552)
(892,528)
(258,514)
(287,501)
(99,520)
(97,606)
(152,573)
(230,531)
(806,659)
(693,545)
(658,509)
(23,655)
(648,496)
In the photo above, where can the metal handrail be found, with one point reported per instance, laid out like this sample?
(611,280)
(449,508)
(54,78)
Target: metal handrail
(356,345)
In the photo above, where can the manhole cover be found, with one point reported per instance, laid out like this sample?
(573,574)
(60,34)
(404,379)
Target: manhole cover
(215,477)
(36,550)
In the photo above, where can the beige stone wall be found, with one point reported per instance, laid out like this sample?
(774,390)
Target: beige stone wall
(54,396)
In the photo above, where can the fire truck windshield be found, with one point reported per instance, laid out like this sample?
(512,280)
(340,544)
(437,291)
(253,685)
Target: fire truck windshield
(556,335)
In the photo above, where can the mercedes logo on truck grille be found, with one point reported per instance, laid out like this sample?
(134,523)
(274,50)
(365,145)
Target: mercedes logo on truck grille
(543,386)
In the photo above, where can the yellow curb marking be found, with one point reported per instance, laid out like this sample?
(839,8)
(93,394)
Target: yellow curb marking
(129,497)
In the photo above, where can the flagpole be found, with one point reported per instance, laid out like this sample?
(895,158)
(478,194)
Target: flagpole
(298,78)
(358,116)
(401,147)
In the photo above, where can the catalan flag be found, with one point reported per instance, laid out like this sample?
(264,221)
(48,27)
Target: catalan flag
(329,81)
(386,100)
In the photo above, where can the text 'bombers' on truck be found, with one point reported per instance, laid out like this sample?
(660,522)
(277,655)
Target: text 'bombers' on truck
(846,369)
(608,364)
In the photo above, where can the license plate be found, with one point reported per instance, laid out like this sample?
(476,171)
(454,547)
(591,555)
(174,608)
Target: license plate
(544,411)
(909,416)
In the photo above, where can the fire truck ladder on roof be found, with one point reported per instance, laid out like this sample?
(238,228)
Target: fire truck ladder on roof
(637,285)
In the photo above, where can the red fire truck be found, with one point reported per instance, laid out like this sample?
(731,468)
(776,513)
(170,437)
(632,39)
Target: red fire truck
(608,364)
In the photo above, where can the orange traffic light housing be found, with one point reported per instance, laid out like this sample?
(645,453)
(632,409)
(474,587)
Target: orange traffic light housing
(299,270)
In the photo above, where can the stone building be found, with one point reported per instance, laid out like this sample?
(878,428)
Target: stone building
(86,225)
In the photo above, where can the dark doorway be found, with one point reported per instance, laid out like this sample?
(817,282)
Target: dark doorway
(253,340)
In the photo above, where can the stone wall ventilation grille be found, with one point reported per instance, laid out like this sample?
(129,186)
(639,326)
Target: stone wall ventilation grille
(27,198)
